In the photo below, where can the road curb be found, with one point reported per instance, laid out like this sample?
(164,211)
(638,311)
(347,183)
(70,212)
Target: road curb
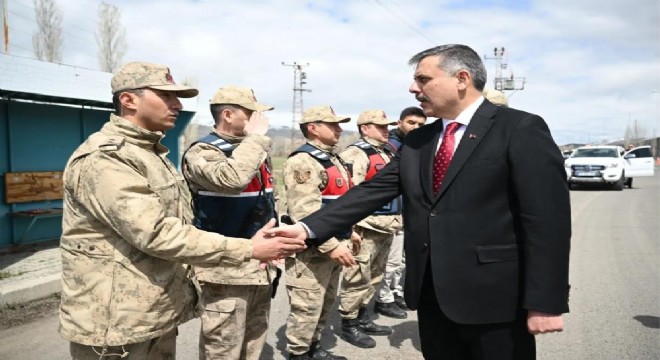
(29,290)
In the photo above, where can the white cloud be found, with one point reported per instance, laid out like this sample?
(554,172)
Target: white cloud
(590,65)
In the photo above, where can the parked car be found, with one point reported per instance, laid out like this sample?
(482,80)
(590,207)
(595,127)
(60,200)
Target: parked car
(610,165)
(596,165)
(638,162)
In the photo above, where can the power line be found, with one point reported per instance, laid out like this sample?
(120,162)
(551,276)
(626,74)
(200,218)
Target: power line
(65,32)
(411,25)
(69,10)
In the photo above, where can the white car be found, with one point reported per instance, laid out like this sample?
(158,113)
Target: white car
(638,163)
(608,165)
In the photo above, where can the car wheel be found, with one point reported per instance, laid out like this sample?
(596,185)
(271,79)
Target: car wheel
(618,186)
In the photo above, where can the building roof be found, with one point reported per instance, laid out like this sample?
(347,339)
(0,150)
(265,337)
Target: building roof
(31,79)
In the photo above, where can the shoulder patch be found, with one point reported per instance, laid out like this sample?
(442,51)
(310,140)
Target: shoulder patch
(112,143)
(301,177)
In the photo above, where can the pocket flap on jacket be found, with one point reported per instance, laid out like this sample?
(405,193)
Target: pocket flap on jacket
(222,306)
(497,253)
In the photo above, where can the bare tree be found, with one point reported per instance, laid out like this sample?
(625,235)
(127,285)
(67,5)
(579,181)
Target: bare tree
(110,37)
(47,40)
(633,133)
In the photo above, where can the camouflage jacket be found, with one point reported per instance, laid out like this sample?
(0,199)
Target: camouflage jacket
(125,235)
(304,180)
(358,158)
(208,168)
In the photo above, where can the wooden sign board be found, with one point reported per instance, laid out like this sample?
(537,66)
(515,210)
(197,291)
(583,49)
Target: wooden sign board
(33,186)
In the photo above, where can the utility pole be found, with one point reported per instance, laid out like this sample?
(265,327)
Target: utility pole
(500,82)
(299,77)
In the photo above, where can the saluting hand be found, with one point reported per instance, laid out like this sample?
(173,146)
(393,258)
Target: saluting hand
(257,125)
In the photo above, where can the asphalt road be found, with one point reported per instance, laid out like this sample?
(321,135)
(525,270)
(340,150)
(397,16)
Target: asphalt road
(615,296)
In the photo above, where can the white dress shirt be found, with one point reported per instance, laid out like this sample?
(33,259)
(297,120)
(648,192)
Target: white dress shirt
(464,119)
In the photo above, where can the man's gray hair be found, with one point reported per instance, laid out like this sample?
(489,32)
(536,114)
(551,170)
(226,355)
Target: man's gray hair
(454,58)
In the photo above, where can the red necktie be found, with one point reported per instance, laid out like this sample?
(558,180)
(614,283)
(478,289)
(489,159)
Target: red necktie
(444,155)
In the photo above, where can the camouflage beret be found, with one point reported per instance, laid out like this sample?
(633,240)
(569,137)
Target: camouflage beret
(496,97)
(377,117)
(139,75)
(322,113)
(240,96)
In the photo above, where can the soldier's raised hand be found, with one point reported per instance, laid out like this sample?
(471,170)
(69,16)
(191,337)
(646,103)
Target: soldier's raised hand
(257,125)
(267,246)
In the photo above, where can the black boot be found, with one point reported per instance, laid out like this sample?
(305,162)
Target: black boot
(316,352)
(401,302)
(304,356)
(390,310)
(351,332)
(369,327)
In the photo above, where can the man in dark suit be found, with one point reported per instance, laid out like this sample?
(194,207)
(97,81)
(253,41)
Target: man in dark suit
(487,214)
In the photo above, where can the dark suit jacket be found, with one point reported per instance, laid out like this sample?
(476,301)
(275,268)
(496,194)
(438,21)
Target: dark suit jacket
(497,235)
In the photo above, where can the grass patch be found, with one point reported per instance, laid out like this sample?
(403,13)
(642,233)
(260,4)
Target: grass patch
(278,163)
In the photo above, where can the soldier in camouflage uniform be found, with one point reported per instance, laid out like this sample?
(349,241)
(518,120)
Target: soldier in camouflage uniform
(390,291)
(126,229)
(314,175)
(230,176)
(368,156)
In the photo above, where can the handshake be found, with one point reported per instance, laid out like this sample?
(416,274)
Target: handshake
(274,244)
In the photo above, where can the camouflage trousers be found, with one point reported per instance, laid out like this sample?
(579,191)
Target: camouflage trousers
(234,321)
(391,284)
(359,283)
(311,284)
(160,348)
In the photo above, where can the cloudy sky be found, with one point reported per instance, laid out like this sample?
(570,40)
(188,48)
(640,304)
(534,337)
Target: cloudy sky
(591,66)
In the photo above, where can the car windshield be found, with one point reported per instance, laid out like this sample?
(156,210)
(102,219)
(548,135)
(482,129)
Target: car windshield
(611,153)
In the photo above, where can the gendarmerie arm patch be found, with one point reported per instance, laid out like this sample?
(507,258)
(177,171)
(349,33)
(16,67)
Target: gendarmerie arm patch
(301,177)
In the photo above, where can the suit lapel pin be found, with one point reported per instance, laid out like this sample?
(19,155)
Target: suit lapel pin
(472,136)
